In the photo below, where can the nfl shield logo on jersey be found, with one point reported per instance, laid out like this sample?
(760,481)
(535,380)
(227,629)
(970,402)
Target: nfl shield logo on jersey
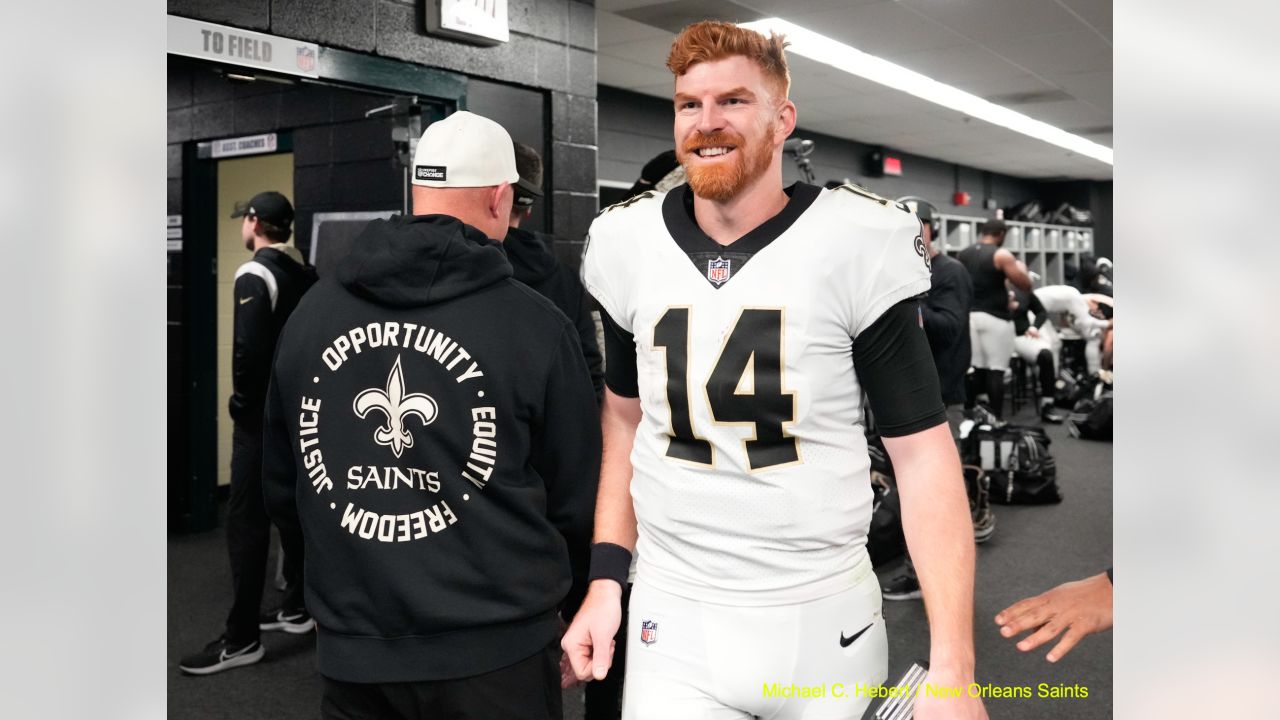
(648,632)
(718,270)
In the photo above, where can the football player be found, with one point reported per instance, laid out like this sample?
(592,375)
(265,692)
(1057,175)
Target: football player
(744,321)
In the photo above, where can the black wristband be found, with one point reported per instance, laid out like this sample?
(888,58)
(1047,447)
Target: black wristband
(610,562)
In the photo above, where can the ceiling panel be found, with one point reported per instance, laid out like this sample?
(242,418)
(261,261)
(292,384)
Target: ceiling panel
(982,20)
(956,65)
(1066,114)
(1097,13)
(1071,52)
(879,29)
(1048,59)
(796,8)
(1095,88)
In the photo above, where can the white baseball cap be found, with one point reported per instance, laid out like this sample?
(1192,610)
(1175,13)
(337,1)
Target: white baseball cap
(464,150)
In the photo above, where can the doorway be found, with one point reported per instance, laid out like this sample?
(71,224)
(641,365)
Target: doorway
(238,180)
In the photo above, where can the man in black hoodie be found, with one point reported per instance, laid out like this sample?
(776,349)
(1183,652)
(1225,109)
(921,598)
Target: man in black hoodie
(267,289)
(534,264)
(432,433)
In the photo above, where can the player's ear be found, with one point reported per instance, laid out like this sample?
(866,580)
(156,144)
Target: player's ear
(786,120)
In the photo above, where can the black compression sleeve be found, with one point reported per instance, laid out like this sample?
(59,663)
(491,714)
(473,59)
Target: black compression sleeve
(895,368)
(619,358)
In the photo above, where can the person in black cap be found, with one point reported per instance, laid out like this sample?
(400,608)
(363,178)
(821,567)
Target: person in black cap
(267,289)
(534,264)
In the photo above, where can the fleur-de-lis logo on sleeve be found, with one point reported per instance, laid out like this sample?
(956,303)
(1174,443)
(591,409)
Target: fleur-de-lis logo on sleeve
(396,405)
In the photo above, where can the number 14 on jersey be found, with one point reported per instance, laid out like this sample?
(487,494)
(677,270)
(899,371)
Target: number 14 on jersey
(745,388)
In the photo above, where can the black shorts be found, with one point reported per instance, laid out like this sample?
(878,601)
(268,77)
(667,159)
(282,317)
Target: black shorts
(527,690)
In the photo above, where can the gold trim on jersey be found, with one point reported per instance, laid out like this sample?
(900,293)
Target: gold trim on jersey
(671,428)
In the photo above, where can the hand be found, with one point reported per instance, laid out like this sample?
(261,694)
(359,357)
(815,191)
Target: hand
(567,677)
(942,707)
(588,643)
(1031,333)
(1080,608)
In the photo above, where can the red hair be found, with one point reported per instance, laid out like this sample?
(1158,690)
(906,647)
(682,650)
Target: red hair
(715,40)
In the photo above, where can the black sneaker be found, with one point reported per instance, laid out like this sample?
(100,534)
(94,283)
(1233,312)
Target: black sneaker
(1047,414)
(290,621)
(902,587)
(221,655)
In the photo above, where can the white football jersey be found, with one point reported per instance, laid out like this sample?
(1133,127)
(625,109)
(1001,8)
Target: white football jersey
(751,477)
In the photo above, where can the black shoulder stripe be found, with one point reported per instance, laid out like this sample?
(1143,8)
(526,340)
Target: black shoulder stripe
(864,193)
(628,202)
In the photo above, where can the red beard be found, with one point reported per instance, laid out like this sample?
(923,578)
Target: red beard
(724,180)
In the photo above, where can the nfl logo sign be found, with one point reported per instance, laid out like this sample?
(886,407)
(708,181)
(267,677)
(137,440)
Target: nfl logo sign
(718,270)
(306,59)
(648,632)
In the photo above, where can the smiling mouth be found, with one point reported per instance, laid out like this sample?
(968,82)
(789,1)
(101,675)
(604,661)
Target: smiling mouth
(715,151)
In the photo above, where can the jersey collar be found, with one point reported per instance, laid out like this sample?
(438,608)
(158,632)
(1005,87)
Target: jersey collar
(677,214)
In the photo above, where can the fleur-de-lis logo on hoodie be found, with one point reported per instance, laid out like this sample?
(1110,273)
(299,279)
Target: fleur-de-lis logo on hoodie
(396,405)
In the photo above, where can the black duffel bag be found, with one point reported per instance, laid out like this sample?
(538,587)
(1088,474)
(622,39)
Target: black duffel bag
(1091,418)
(1017,460)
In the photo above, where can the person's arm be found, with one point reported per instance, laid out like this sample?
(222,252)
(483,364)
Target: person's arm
(1080,608)
(251,347)
(1008,264)
(566,455)
(939,532)
(589,640)
(946,309)
(895,368)
(1039,313)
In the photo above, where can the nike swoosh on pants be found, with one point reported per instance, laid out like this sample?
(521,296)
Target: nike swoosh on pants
(847,641)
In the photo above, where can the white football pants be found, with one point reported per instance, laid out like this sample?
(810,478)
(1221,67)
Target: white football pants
(694,660)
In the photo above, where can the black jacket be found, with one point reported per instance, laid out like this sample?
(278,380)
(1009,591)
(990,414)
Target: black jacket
(432,434)
(267,289)
(946,324)
(535,266)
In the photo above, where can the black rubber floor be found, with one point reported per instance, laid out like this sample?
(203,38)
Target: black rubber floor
(1034,548)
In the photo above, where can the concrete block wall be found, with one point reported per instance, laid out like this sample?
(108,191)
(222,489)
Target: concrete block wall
(353,171)
(552,50)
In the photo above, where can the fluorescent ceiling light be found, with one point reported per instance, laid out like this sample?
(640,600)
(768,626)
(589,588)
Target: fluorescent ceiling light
(856,62)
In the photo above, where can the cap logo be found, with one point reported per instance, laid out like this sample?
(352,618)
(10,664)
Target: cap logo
(429,172)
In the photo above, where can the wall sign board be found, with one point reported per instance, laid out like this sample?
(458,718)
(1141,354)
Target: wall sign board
(483,22)
(247,145)
(225,44)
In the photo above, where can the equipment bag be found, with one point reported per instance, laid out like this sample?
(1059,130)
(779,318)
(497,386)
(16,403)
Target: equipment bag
(1017,460)
(1091,418)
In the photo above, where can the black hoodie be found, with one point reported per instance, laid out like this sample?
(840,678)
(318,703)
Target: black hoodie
(432,433)
(535,266)
(267,289)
